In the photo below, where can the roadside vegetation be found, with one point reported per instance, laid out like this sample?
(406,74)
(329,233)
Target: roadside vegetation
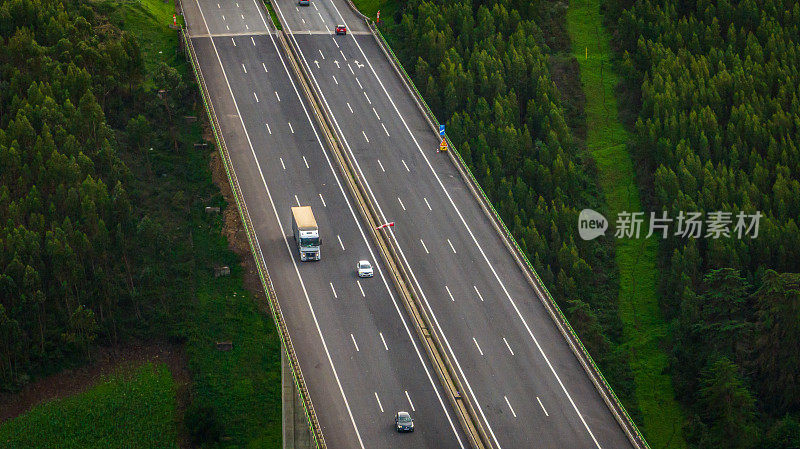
(711,91)
(104,238)
(644,328)
(483,66)
(388,8)
(130,409)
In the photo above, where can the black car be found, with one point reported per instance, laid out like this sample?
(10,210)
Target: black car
(403,422)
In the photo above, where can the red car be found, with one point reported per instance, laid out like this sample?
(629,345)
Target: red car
(341,29)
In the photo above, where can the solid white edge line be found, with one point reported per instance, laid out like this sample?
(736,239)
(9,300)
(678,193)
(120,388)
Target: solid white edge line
(277,217)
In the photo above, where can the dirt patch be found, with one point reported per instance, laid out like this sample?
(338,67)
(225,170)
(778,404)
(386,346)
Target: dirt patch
(108,361)
(233,230)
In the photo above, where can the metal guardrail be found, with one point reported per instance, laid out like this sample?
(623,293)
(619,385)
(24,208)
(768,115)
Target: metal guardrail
(580,351)
(263,273)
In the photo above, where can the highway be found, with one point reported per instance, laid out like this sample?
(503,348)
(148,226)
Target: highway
(528,386)
(356,348)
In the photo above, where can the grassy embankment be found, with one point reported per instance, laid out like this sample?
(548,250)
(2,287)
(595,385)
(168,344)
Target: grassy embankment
(130,409)
(235,394)
(643,324)
(236,391)
(370,9)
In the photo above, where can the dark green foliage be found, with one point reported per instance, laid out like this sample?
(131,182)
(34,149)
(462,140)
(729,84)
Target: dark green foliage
(715,86)
(202,424)
(85,259)
(482,66)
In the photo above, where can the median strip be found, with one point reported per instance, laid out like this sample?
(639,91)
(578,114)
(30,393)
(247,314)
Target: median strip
(465,411)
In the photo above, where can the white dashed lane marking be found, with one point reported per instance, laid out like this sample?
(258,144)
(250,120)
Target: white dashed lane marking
(509,406)
(477,345)
(542,406)
(508,346)
(409,402)
(385,346)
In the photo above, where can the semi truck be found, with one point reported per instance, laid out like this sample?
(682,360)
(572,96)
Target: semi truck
(306,233)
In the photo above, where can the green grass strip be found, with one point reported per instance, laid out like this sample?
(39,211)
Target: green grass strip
(273,16)
(643,324)
(135,409)
(370,9)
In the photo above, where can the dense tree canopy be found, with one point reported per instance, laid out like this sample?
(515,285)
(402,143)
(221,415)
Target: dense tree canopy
(78,264)
(717,91)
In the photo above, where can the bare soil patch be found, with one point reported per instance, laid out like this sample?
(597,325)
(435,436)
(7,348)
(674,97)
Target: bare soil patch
(107,361)
(234,232)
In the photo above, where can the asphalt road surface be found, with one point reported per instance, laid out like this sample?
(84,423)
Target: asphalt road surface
(356,348)
(528,386)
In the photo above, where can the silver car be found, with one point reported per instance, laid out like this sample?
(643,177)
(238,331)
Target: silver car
(364,269)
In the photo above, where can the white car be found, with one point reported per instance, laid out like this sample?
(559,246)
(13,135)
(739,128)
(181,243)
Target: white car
(364,269)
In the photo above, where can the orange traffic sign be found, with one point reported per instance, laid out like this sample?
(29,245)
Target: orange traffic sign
(443,145)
